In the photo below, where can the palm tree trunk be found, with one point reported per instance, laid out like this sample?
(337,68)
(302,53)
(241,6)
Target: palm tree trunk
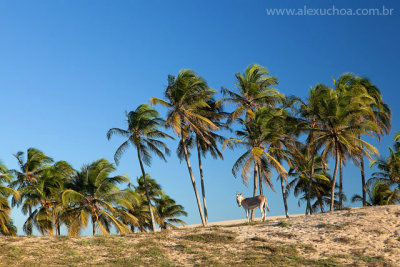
(203,192)
(334,177)
(153,225)
(57,224)
(310,182)
(93,225)
(260,181)
(364,193)
(321,205)
(284,197)
(341,184)
(193,182)
(308,203)
(255,188)
(30,224)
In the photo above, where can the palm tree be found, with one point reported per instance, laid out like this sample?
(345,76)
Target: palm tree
(45,194)
(309,177)
(134,211)
(92,193)
(39,194)
(322,196)
(389,168)
(27,175)
(6,225)
(381,117)
(379,194)
(253,91)
(61,172)
(166,212)
(143,133)
(340,129)
(379,112)
(185,98)
(279,130)
(310,121)
(206,144)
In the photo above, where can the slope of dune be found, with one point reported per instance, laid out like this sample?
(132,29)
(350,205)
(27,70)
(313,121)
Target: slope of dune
(356,237)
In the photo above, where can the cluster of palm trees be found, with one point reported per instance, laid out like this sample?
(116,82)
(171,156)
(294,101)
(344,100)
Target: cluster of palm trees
(53,194)
(383,188)
(291,136)
(277,131)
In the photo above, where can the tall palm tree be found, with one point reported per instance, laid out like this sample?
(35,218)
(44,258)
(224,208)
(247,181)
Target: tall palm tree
(29,172)
(6,225)
(206,144)
(167,211)
(279,130)
(253,91)
(340,129)
(143,133)
(185,97)
(93,193)
(310,121)
(379,112)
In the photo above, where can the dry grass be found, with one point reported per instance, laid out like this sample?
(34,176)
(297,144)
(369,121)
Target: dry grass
(211,247)
(273,243)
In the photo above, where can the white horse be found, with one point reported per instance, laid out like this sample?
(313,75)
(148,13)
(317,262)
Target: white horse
(252,203)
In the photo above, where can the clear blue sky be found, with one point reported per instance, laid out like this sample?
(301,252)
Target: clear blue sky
(70,69)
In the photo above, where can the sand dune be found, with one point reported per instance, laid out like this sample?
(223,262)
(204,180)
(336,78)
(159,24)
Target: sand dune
(371,232)
(356,237)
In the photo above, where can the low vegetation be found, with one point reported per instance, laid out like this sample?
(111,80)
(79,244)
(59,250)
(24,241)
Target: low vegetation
(284,224)
(258,244)
(216,248)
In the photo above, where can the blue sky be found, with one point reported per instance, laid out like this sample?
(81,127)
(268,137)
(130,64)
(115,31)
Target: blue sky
(70,69)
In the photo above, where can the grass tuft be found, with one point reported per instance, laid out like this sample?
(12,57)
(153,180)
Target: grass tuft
(211,238)
(287,250)
(284,224)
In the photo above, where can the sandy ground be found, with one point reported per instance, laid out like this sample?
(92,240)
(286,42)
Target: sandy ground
(355,237)
(364,232)
(240,221)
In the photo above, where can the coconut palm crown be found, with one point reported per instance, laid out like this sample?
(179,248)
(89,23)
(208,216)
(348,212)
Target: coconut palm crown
(253,91)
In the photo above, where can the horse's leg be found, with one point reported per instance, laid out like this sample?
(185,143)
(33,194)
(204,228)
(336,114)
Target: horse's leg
(248,215)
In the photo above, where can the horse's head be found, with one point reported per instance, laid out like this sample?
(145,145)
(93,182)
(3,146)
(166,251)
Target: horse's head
(239,198)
